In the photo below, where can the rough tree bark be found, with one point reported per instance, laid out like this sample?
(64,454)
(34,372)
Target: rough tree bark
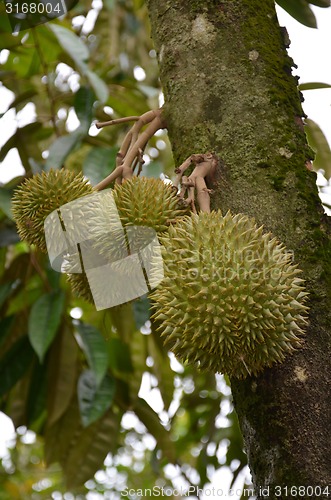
(228,88)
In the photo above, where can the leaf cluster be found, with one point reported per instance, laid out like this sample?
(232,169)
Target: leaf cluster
(301,10)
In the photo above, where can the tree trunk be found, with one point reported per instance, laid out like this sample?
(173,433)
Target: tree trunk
(228,88)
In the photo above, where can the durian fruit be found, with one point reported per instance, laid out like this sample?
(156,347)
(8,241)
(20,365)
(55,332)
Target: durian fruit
(231,300)
(80,286)
(141,204)
(40,195)
(145,201)
(76,277)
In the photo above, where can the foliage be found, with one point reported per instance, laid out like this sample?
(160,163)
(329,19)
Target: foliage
(301,10)
(76,382)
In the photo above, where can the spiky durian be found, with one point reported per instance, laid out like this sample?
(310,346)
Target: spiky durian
(76,276)
(80,286)
(231,300)
(40,195)
(140,204)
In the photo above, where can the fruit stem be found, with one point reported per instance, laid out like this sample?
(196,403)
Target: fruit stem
(131,151)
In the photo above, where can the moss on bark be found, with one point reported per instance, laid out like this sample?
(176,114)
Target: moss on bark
(228,88)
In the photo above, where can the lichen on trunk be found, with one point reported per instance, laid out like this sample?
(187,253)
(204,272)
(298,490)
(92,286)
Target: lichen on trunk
(229,89)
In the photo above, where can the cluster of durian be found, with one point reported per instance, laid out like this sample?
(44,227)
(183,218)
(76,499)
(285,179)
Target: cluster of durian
(126,222)
(231,300)
(141,203)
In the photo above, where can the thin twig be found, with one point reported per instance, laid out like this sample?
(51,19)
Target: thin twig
(116,121)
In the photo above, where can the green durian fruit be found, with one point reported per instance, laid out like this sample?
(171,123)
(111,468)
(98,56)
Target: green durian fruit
(78,280)
(40,195)
(231,300)
(145,201)
(80,286)
(141,204)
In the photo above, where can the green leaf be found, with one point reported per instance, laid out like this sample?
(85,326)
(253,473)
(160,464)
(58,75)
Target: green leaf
(318,142)
(300,10)
(3,256)
(99,163)
(8,236)
(83,104)
(62,377)
(22,135)
(95,349)
(314,86)
(87,454)
(6,325)
(17,402)
(81,451)
(320,3)
(119,356)
(62,147)
(22,99)
(15,363)
(6,289)
(36,403)
(44,320)
(98,85)
(141,308)
(5,202)
(94,401)
(58,436)
(79,53)
(71,43)
(110,4)
(18,268)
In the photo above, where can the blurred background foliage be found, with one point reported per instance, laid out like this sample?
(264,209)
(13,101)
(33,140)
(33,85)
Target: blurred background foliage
(98,404)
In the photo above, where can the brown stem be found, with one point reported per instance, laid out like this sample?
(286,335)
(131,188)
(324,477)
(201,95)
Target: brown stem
(142,140)
(110,178)
(116,121)
(202,195)
(130,154)
(205,165)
